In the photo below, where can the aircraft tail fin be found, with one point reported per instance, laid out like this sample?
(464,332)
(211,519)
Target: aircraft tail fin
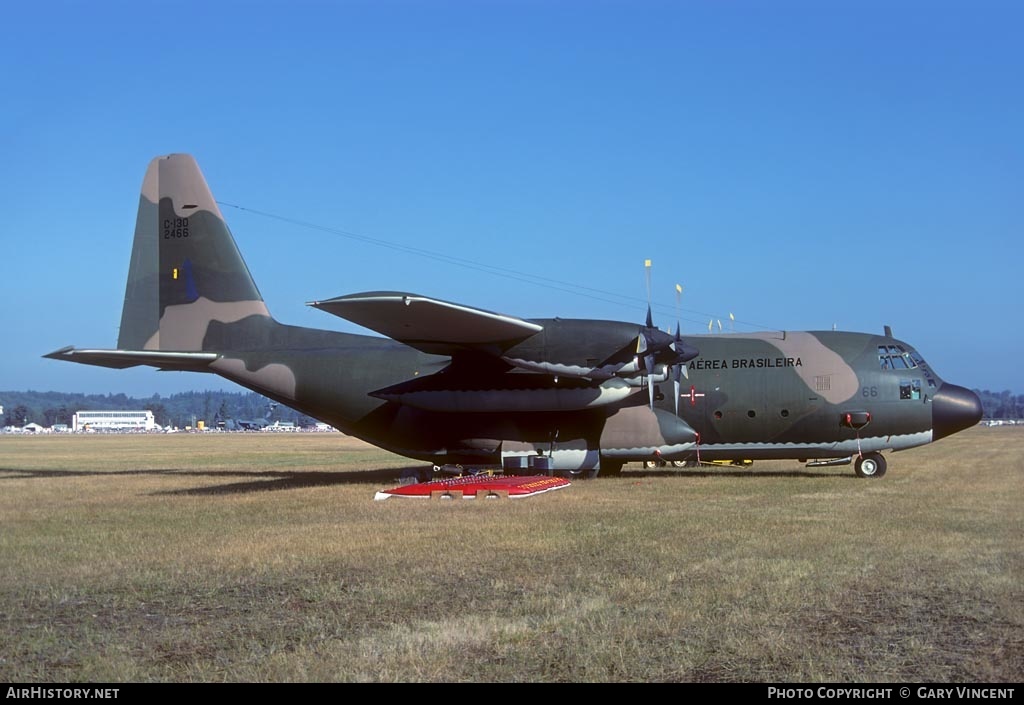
(186,273)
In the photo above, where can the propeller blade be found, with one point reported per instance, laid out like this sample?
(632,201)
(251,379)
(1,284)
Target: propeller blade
(674,373)
(641,343)
(647,276)
(647,273)
(649,365)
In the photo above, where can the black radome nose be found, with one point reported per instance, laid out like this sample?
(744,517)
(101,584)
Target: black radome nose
(954,408)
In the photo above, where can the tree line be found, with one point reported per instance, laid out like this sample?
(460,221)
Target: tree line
(187,408)
(1001,405)
(180,410)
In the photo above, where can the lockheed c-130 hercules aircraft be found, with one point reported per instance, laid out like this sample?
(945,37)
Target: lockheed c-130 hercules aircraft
(452,384)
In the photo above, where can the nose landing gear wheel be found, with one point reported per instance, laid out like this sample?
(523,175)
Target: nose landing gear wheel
(870,465)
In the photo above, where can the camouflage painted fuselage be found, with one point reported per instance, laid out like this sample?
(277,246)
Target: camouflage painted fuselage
(461,385)
(784,395)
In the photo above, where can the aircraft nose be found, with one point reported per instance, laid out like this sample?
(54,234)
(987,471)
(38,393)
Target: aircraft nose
(954,408)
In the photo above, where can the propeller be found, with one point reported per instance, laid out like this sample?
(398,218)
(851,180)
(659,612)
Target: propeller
(652,344)
(678,368)
(645,351)
(645,343)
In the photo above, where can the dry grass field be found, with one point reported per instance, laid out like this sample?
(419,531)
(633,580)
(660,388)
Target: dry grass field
(263,558)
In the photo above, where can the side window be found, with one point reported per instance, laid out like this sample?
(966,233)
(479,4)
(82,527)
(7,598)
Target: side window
(910,389)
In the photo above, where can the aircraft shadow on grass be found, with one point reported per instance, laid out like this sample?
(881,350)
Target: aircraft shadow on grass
(258,480)
(688,474)
(273,480)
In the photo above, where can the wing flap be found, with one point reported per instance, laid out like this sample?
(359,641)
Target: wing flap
(431,325)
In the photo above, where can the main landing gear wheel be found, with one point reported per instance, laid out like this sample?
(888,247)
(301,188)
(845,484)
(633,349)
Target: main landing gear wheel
(870,465)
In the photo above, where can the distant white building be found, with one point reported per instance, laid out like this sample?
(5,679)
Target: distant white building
(113,421)
(280,426)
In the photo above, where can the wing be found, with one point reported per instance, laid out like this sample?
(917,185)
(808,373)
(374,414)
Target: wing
(431,325)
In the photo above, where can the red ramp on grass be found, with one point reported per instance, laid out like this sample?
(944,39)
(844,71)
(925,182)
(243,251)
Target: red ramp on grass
(478,487)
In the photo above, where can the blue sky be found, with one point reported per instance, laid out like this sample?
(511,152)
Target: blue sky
(801,165)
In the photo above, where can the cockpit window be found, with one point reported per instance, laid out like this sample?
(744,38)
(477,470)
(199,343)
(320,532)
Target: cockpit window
(894,357)
(917,360)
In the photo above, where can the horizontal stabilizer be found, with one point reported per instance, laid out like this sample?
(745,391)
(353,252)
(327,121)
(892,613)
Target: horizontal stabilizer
(121,359)
(431,325)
